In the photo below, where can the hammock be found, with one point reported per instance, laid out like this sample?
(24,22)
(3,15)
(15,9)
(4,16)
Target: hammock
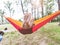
(38,23)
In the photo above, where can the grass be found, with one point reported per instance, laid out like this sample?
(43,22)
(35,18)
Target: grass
(51,31)
(5,25)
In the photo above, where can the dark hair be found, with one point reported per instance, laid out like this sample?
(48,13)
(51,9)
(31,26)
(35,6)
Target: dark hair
(1,33)
(5,29)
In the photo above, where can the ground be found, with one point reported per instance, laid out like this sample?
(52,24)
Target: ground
(47,35)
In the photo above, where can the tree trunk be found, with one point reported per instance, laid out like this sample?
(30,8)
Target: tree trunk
(47,8)
(22,7)
(42,13)
(59,4)
(10,13)
(35,13)
(59,9)
(2,19)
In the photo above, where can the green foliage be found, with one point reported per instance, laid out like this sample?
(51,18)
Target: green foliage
(20,20)
(8,6)
(49,6)
(58,18)
(50,0)
(25,1)
(1,15)
(1,12)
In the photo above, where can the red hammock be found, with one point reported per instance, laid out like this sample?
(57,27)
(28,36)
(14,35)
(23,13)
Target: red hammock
(38,23)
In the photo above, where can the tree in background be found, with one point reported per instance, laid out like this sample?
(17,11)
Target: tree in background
(42,8)
(35,9)
(25,7)
(20,2)
(59,9)
(24,4)
(49,6)
(2,14)
(8,6)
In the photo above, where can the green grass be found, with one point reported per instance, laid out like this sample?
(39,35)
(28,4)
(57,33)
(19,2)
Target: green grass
(9,26)
(50,30)
(5,25)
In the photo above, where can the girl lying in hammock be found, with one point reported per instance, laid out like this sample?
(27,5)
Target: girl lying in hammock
(28,21)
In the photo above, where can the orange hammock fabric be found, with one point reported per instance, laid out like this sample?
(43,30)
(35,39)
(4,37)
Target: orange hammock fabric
(38,23)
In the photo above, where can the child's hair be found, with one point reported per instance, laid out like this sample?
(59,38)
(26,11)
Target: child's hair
(1,33)
(5,29)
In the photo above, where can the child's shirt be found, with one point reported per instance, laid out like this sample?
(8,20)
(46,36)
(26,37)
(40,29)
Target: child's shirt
(1,37)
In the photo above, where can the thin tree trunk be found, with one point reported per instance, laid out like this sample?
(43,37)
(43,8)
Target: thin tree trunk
(59,9)
(38,13)
(47,8)
(42,13)
(59,4)
(10,14)
(2,19)
(22,7)
(35,13)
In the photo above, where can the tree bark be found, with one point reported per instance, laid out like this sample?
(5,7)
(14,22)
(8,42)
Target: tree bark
(42,13)
(2,19)
(22,7)
(59,9)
